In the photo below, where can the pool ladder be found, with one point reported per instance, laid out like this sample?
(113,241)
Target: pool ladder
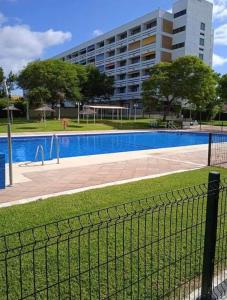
(40,148)
(55,138)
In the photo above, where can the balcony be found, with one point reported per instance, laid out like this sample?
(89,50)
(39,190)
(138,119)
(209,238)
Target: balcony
(134,67)
(148,63)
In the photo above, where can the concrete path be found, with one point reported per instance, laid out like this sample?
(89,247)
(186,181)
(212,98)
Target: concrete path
(77,174)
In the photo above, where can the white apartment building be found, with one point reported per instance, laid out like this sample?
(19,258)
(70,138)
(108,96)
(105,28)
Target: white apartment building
(127,52)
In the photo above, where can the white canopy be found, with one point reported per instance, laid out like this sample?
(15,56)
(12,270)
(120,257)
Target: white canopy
(105,107)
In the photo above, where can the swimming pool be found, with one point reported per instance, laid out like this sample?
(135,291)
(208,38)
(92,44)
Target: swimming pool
(24,148)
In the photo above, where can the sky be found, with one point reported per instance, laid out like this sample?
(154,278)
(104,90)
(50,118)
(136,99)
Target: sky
(39,29)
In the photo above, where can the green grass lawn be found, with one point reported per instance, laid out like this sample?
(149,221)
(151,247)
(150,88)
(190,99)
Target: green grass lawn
(125,253)
(21,125)
(215,123)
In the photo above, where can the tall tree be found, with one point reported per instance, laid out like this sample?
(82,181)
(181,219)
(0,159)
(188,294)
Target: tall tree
(1,75)
(11,81)
(195,81)
(222,89)
(160,89)
(187,78)
(2,94)
(54,76)
(97,85)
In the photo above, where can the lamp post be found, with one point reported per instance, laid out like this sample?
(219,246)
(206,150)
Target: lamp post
(200,116)
(59,111)
(135,111)
(9,136)
(78,112)
(8,102)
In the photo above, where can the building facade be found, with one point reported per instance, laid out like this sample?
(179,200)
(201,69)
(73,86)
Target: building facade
(127,52)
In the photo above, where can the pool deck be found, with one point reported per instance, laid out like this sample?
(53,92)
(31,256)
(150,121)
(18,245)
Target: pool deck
(33,181)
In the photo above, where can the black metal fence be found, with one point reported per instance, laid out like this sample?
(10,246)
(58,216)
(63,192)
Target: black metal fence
(217,149)
(147,249)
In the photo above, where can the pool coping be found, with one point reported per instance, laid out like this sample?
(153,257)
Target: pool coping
(84,189)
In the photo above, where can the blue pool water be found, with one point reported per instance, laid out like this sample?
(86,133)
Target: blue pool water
(24,148)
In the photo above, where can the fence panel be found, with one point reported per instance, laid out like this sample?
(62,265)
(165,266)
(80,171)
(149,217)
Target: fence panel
(217,153)
(147,249)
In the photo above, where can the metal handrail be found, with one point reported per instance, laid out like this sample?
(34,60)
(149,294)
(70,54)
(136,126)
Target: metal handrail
(55,137)
(39,147)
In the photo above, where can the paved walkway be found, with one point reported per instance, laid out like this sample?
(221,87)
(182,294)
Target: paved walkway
(81,173)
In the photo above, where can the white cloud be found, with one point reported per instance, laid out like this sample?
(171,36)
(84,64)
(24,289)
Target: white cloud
(220,9)
(20,45)
(219,60)
(97,32)
(3,19)
(220,35)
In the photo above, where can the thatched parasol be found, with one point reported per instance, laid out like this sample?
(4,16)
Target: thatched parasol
(44,108)
(11,109)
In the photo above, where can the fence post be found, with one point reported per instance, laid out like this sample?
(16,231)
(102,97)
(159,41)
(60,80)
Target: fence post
(210,235)
(209,148)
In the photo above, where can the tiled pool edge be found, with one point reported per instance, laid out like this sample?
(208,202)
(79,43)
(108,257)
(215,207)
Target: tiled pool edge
(75,191)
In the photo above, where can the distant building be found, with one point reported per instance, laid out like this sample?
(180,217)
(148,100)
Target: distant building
(127,52)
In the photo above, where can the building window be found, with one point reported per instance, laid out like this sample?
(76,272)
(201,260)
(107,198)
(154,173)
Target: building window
(101,68)
(201,56)
(150,25)
(166,42)
(75,54)
(134,88)
(167,26)
(179,29)
(203,26)
(146,72)
(110,66)
(122,90)
(122,63)
(134,75)
(180,13)
(122,49)
(111,53)
(166,56)
(91,60)
(148,56)
(178,46)
(135,30)
(83,51)
(201,42)
(149,40)
(134,46)
(100,57)
(135,60)
(111,40)
(201,49)
(122,76)
(82,62)
(123,35)
(100,44)
(90,48)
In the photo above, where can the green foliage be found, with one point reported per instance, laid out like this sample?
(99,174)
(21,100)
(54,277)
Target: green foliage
(39,95)
(223,88)
(97,84)
(1,75)
(2,93)
(195,81)
(11,81)
(49,78)
(187,78)
(3,103)
(160,89)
